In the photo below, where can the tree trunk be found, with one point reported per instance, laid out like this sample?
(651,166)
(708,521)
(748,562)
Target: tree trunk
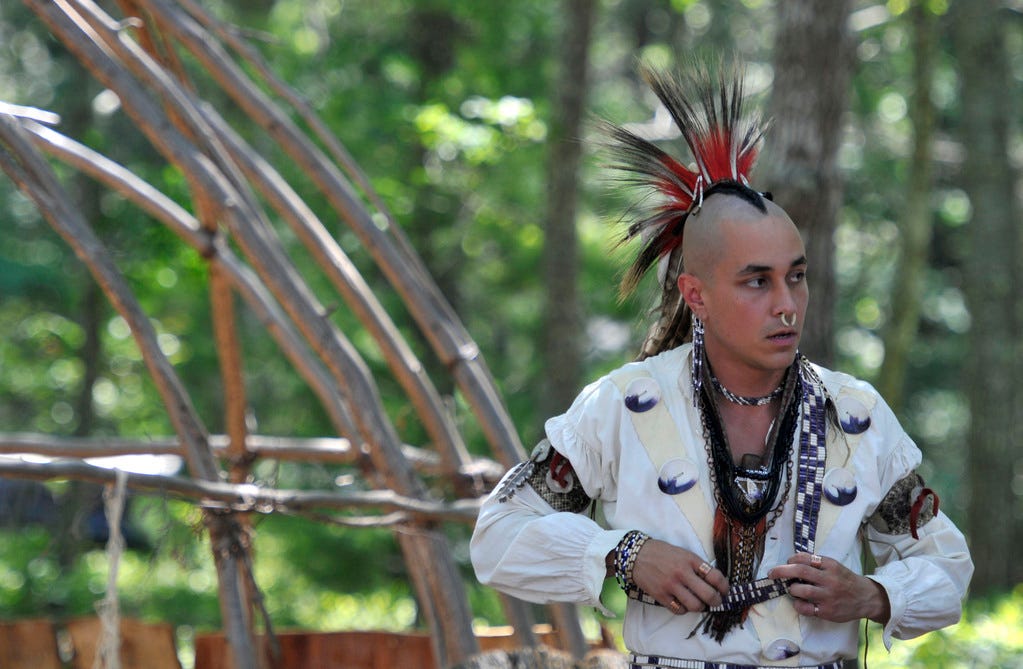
(812,65)
(562,323)
(908,289)
(992,278)
(434,207)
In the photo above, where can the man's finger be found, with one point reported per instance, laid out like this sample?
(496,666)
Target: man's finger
(798,572)
(690,601)
(708,594)
(807,592)
(717,580)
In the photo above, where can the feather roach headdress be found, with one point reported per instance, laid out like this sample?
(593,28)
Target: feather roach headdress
(723,142)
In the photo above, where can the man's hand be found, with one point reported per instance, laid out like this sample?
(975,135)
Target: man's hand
(825,588)
(678,579)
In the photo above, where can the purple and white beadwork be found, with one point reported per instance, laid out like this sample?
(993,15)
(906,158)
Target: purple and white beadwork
(642,394)
(676,476)
(781,649)
(852,415)
(839,486)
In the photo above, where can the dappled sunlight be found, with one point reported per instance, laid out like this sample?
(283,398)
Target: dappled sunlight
(863,348)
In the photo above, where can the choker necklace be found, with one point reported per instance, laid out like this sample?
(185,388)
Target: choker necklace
(743,400)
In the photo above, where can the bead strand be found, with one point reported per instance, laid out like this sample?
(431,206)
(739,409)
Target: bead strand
(625,558)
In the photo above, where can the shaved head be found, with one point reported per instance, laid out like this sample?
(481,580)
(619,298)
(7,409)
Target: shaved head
(704,241)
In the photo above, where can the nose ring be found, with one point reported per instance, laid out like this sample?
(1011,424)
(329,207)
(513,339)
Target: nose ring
(785,319)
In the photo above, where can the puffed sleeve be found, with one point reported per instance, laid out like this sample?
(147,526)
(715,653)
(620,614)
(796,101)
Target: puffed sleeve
(926,576)
(522,546)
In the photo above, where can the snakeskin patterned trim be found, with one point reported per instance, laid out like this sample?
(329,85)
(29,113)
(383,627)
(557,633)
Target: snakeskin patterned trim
(907,506)
(560,489)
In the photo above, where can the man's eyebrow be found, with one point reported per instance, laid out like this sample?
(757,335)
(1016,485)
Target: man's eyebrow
(756,269)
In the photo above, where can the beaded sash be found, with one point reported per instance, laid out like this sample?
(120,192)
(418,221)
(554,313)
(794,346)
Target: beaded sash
(812,439)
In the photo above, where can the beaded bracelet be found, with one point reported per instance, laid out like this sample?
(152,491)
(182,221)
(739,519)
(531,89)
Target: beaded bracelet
(625,558)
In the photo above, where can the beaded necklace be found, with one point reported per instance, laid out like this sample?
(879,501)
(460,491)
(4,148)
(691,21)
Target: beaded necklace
(723,470)
(741,520)
(743,400)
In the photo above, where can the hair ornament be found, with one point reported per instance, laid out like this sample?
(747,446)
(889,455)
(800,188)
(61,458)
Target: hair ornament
(723,141)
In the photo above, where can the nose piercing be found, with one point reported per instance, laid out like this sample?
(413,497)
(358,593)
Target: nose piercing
(785,319)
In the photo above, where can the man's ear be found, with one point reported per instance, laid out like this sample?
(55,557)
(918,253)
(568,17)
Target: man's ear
(690,287)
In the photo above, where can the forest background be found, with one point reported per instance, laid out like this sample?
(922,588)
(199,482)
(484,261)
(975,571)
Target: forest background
(471,119)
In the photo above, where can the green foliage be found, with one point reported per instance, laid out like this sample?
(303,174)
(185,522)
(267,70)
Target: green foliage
(990,635)
(175,584)
(318,577)
(313,575)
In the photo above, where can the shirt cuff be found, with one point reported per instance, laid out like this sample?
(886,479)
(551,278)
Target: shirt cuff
(897,608)
(595,564)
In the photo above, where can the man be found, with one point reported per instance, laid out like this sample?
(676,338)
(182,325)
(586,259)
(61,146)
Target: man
(739,482)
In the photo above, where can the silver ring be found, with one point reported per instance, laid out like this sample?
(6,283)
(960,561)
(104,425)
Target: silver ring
(816,560)
(705,569)
(816,611)
(785,321)
(675,606)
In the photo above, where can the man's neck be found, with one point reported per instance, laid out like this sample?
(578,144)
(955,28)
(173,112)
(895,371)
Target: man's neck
(746,427)
(746,381)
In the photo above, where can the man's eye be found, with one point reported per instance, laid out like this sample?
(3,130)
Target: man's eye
(758,282)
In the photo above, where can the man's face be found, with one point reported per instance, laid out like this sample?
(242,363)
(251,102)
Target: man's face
(754,276)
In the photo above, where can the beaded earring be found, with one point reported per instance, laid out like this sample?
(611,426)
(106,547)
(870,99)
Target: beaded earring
(697,359)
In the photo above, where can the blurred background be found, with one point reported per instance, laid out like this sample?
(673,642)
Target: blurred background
(895,145)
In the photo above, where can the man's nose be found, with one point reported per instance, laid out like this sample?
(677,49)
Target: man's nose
(785,300)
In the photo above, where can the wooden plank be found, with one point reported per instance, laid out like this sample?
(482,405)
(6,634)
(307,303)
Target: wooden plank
(28,644)
(504,638)
(143,645)
(369,649)
(331,650)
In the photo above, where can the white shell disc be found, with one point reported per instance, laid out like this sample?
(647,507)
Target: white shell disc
(839,486)
(852,415)
(677,475)
(553,484)
(781,649)
(642,394)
